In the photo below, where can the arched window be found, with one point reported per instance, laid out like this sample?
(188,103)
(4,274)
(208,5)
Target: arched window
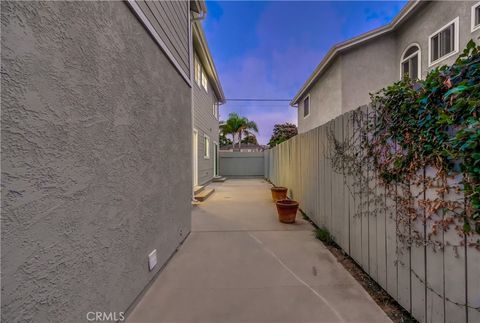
(410,63)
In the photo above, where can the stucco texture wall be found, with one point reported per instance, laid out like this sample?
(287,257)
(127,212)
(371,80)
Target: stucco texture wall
(96,150)
(375,64)
(366,69)
(325,98)
(430,18)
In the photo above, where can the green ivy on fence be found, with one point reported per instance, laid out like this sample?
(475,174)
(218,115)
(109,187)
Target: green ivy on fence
(434,122)
(415,125)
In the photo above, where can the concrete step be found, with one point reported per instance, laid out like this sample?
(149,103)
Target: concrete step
(204,194)
(198,189)
(195,203)
(219,179)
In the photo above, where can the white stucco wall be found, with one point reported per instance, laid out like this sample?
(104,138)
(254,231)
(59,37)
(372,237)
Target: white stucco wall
(325,99)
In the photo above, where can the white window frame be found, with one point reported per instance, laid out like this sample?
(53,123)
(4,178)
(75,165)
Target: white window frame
(215,110)
(204,80)
(474,27)
(206,148)
(215,158)
(456,35)
(201,79)
(197,68)
(195,156)
(309,106)
(419,53)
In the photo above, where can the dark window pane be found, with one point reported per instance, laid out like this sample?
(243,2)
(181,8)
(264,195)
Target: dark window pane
(477,16)
(434,46)
(452,38)
(446,41)
(405,68)
(306,107)
(414,67)
(443,43)
(410,51)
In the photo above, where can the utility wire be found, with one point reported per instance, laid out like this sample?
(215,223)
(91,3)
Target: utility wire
(255,107)
(260,100)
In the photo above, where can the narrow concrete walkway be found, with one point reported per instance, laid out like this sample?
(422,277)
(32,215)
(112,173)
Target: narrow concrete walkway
(240,264)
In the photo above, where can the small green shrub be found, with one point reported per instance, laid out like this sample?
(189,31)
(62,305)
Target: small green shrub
(323,235)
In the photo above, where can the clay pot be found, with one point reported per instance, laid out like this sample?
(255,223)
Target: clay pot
(287,210)
(279,193)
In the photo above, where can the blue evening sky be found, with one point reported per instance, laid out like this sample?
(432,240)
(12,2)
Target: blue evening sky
(267,49)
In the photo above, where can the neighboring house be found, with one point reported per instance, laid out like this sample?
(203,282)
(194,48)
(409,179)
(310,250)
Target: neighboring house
(422,36)
(96,152)
(244,148)
(207,95)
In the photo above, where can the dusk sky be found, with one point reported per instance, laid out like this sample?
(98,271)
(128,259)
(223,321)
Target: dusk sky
(267,49)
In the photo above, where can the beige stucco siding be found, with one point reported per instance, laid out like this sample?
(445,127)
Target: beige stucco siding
(171,21)
(206,124)
(366,69)
(325,99)
(428,20)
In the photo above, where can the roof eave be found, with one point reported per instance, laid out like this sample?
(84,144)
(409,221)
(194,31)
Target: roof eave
(212,71)
(340,47)
(198,6)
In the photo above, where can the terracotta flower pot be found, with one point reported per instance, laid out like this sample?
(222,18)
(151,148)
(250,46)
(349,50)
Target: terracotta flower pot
(279,193)
(287,210)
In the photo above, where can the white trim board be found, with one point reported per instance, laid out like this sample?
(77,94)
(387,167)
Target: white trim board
(146,23)
(456,42)
(204,51)
(309,106)
(472,18)
(215,158)
(206,149)
(195,156)
(419,53)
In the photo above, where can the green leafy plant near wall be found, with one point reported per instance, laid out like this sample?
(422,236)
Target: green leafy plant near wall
(425,134)
(433,122)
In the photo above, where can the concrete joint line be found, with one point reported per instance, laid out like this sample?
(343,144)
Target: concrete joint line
(301,281)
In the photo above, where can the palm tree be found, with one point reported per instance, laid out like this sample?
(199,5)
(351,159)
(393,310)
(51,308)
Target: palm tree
(247,129)
(231,126)
(237,126)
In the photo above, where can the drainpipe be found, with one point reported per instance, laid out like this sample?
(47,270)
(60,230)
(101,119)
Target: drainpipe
(200,17)
(192,21)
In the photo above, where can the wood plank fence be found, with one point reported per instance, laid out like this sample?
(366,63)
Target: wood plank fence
(441,285)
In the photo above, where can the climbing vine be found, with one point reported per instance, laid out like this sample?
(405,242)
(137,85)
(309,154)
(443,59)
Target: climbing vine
(421,140)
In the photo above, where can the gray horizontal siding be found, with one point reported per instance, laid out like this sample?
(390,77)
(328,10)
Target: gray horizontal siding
(170,20)
(206,124)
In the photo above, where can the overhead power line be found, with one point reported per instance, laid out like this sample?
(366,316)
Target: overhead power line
(259,100)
